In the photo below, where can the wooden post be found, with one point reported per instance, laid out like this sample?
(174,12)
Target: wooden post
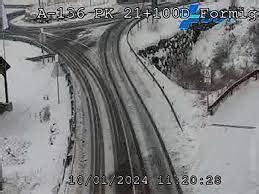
(42,51)
(4,73)
(57,64)
(1,177)
(6,88)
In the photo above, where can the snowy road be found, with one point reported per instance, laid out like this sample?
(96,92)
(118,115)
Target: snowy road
(156,161)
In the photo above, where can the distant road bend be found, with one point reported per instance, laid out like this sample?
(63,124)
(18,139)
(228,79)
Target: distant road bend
(117,115)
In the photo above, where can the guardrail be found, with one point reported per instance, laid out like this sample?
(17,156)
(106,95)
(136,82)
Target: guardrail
(17,6)
(229,91)
(153,77)
(15,14)
(13,37)
(39,58)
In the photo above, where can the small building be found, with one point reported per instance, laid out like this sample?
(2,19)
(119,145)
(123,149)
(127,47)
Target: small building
(4,66)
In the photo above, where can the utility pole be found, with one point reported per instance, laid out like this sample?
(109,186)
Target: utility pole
(154,3)
(6,88)
(42,38)
(207,80)
(154,6)
(57,66)
(58,83)
(5,74)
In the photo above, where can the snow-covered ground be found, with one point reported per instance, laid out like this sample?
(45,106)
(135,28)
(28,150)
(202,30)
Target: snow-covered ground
(231,152)
(32,146)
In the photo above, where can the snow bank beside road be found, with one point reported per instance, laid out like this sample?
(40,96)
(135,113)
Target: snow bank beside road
(34,135)
(151,33)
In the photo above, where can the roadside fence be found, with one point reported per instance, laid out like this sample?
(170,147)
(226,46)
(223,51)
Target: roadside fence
(229,91)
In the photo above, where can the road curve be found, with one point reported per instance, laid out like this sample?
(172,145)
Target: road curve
(156,159)
(127,157)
